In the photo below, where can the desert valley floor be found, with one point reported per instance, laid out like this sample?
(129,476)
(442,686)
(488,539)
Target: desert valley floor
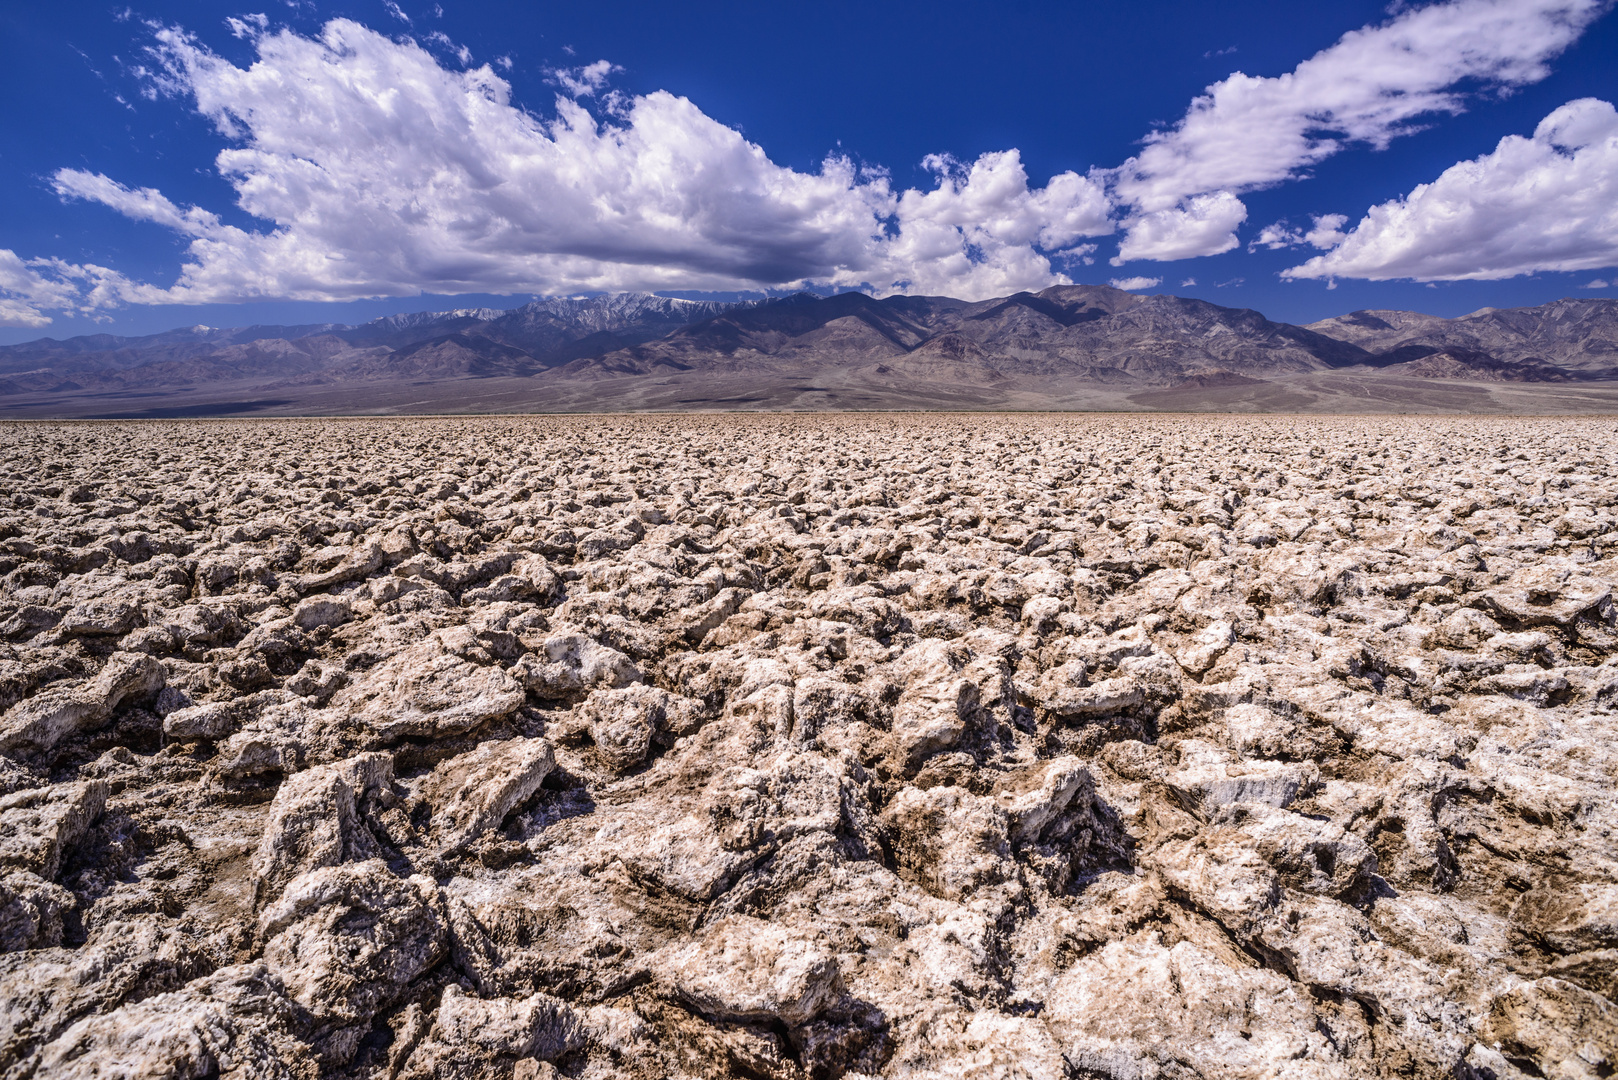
(980,746)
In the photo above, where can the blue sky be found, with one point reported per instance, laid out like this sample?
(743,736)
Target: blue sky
(194,162)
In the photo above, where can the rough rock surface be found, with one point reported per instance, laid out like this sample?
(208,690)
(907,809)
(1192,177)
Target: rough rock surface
(991,747)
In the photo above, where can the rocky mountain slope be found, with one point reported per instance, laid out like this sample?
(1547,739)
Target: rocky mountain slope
(465,343)
(619,351)
(1576,336)
(792,748)
(1075,331)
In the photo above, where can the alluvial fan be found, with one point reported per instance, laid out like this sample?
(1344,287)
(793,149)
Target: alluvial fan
(840,746)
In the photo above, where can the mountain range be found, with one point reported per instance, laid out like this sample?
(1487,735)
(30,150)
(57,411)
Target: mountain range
(1072,346)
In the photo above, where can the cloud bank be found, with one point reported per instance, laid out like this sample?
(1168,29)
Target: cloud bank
(382,172)
(1247,133)
(374,167)
(1549,202)
(31,287)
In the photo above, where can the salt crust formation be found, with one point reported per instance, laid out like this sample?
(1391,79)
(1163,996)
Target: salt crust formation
(990,746)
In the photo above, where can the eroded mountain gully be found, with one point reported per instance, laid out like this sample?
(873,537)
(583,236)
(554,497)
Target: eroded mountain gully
(1016,746)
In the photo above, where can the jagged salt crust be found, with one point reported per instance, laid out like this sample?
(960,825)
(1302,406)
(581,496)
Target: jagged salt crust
(993,746)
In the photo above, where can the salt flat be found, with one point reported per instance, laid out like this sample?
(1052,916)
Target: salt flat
(810,746)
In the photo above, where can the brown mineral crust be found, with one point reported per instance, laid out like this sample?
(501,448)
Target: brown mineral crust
(1010,746)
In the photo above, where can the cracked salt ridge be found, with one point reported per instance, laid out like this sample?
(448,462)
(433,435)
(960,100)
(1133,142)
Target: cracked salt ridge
(809,747)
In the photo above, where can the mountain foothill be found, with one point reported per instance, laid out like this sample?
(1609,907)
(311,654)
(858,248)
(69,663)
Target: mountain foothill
(1067,347)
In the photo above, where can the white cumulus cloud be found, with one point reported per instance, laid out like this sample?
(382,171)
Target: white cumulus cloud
(248,26)
(1132,284)
(1204,225)
(141,204)
(1549,202)
(31,287)
(584,81)
(379,172)
(1276,236)
(26,292)
(1326,233)
(977,231)
(370,168)
(1373,85)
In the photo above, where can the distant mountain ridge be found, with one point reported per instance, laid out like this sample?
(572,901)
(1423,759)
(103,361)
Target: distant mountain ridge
(1580,335)
(1087,331)
(539,328)
(1065,336)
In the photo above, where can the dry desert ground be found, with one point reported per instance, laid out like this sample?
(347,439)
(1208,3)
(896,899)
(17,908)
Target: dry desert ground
(980,746)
